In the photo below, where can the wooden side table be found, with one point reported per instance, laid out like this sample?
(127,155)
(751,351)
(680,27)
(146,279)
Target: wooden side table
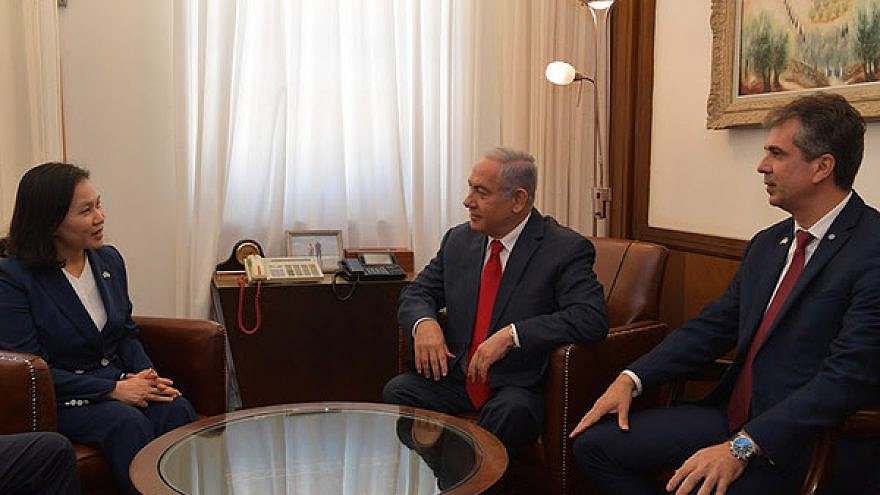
(310,346)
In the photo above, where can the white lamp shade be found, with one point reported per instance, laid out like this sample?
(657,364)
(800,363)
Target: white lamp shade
(600,4)
(561,73)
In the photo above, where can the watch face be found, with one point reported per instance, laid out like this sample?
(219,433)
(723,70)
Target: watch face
(244,250)
(742,447)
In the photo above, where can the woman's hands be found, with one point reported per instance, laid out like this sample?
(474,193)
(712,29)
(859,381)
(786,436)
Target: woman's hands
(139,389)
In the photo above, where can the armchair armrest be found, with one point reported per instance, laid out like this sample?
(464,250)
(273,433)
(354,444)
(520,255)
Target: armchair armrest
(193,354)
(27,392)
(579,374)
(863,423)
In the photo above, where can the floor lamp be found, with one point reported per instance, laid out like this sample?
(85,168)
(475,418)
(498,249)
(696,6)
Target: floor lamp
(563,73)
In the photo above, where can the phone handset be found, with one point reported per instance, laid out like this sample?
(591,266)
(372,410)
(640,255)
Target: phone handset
(353,268)
(255,271)
(255,268)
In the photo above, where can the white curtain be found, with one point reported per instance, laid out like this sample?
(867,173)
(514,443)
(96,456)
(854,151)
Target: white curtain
(30,93)
(364,116)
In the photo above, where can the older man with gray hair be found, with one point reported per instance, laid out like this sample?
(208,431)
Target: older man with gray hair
(515,285)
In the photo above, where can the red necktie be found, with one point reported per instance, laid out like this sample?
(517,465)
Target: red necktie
(738,408)
(478,390)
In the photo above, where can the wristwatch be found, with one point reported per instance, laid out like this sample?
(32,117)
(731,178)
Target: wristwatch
(512,334)
(742,447)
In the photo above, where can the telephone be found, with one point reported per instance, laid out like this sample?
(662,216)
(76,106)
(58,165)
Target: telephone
(295,269)
(372,266)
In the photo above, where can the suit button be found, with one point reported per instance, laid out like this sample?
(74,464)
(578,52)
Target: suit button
(105,361)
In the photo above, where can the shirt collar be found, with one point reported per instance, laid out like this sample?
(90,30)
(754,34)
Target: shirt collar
(820,228)
(509,240)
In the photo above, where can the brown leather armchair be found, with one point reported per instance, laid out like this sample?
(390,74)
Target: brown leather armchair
(192,352)
(631,272)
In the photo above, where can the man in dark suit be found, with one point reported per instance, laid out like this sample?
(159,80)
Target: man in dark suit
(803,313)
(515,285)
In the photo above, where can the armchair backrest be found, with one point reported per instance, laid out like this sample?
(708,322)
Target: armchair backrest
(632,274)
(193,354)
(28,397)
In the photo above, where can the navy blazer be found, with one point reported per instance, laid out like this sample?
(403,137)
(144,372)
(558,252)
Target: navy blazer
(821,360)
(548,289)
(41,314)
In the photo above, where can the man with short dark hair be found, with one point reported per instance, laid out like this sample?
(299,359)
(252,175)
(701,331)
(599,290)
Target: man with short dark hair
(36,463)
(803,312)
(515,284)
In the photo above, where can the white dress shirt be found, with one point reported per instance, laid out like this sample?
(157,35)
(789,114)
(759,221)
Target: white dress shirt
(87,290)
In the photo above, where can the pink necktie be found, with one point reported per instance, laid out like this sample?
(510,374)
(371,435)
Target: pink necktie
(478,391)
(738,408)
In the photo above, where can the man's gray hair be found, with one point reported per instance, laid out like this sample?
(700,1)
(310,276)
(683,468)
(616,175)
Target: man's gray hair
(518,170)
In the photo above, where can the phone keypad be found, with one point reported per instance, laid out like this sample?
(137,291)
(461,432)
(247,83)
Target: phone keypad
(301,270)
(384,271)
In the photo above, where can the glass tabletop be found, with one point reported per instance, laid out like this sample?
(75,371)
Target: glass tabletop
(322,450)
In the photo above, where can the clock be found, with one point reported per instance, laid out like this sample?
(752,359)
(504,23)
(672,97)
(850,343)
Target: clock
(244,249)
(240,252)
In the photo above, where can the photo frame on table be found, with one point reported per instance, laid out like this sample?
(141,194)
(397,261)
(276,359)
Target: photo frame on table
(765,53)
(325,245)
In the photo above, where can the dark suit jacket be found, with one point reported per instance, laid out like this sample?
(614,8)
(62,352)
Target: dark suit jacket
(41,314)
(548,289)
(821,360)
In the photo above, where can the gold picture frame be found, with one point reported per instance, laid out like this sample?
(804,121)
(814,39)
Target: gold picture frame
(727,107)
(325,245)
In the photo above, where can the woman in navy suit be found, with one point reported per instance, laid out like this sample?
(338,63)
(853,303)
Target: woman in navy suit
(64,297)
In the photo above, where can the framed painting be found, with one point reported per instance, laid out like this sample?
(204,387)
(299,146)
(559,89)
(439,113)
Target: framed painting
(324,245)
(767,52)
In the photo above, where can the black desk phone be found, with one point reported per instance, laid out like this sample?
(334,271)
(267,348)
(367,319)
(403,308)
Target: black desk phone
(372,266)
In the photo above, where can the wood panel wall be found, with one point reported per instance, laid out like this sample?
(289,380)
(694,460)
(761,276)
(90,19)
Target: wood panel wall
(691,281)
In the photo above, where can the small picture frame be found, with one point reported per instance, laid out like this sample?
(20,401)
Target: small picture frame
(325,245)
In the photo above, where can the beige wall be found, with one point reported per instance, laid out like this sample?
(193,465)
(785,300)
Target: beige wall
(705,181)
(118,115)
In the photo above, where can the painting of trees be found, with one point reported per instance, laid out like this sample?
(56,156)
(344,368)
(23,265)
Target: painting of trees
(790,45)
(765,50)
(866,43)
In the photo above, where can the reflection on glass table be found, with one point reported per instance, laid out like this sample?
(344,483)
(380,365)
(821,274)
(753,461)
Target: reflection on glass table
(333,448)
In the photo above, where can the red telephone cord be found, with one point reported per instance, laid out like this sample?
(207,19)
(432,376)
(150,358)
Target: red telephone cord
(257,312)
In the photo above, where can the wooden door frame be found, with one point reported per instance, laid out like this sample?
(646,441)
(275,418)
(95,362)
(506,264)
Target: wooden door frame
(632,86)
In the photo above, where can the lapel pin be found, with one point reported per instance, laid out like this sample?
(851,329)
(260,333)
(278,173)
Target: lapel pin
(105,275)
(831,237)
(783,241)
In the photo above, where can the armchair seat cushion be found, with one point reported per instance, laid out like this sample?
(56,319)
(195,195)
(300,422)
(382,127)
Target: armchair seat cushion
(94,472)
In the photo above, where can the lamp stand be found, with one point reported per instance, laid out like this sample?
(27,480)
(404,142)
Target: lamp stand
(601,188)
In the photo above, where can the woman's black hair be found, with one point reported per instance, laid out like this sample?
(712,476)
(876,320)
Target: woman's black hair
(41,203)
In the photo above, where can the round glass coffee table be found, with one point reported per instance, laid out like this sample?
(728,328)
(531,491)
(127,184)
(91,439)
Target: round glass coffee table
(322,448)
